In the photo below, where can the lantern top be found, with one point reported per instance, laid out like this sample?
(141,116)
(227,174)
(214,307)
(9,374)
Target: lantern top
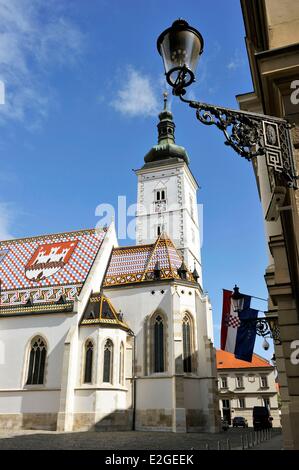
(179,25)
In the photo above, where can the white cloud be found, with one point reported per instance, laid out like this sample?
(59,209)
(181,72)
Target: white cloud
(33,35)
(137,96)
(236,62)
(6,217)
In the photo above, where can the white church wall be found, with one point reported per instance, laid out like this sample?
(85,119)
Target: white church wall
(154,392)
(15,335)
(30,401)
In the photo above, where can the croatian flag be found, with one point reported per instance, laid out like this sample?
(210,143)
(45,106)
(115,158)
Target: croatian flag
(236,337)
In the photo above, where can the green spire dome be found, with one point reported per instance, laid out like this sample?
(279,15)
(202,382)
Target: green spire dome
(166,148)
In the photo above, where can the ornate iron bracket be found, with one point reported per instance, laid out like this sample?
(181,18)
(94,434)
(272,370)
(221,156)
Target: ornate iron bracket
(262,328)
(252,135)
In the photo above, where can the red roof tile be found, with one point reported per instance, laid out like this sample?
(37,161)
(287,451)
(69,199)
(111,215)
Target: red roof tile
(136,263)
(48,266)
(226,360)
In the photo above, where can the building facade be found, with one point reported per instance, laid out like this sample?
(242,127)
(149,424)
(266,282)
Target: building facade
(272,40)
(243,385)
(97,336)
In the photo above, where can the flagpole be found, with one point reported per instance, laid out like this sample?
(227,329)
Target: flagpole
(254,297)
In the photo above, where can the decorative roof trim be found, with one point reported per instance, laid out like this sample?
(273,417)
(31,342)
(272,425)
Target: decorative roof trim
(36,309)
(52,235)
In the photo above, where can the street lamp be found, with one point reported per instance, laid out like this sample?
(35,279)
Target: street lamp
(237,300)
(180,47)
(267,327)
(249,134)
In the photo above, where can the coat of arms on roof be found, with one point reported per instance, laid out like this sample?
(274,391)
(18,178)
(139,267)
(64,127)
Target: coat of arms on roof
(48,259)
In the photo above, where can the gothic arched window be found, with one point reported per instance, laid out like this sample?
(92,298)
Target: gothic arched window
(108,358)
(88,361)
(121,364)
(37,361)
(158,344)
(187,345)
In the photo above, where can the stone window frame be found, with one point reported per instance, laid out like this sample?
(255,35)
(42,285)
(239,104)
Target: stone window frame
(93,368)
(239,403)
(26,363)
(239,377)
(192,341)
(223,377)
(112,371)
(264,377)
(264,399)
(150,353)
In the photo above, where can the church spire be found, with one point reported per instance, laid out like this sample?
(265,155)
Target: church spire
(166,125)
(166,149)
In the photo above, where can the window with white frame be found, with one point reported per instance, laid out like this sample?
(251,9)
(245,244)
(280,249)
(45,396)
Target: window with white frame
(264,381)
(226,404)
(223,382)
(239,381)
(242,403)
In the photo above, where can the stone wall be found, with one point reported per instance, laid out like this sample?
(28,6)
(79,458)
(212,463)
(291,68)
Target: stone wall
(16,421)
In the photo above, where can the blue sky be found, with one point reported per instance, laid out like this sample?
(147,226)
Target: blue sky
(84,84)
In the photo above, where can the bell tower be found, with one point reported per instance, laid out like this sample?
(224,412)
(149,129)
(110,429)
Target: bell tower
(167,195)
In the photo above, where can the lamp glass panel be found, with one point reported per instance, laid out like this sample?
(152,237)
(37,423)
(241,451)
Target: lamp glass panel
(180,48)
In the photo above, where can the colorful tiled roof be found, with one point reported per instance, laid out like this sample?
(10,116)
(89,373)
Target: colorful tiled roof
(45,267)
(100,310)
(137,263)
(227,360)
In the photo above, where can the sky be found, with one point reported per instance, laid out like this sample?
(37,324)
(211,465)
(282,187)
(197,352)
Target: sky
(83,87)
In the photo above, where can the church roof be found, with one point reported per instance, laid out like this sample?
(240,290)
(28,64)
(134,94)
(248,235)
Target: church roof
(100,311)
(46,267)
(135,264)
(227,360)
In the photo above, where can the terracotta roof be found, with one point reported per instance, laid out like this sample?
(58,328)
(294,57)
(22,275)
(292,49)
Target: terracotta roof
(226,360)
(44,268)
(137,263)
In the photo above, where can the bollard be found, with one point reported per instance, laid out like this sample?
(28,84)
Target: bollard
(218,445)
(228,444)
(242,442)
(252,439)
(270,433)
(207,446)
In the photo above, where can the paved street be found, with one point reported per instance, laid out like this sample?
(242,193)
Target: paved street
(130,440)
